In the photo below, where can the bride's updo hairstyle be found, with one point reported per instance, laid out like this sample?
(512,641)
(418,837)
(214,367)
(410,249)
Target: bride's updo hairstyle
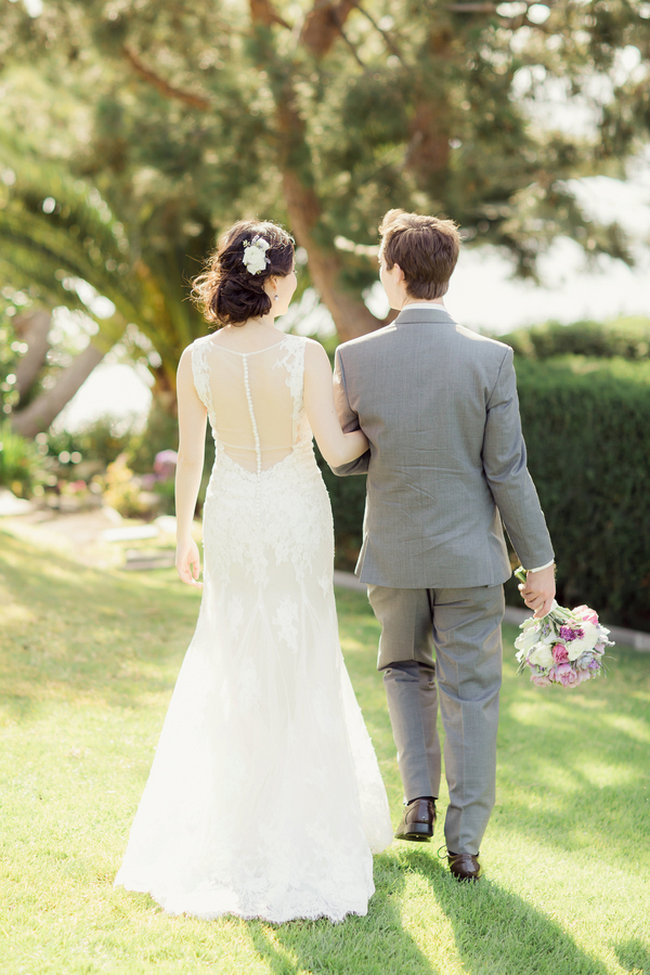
(231,290)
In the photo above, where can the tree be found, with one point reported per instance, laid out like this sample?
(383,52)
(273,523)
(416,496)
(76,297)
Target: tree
(323,114)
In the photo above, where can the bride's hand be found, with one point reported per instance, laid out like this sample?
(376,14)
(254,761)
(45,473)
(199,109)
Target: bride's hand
(188,563)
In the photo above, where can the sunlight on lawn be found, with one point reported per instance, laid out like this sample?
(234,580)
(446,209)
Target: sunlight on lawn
(88,661)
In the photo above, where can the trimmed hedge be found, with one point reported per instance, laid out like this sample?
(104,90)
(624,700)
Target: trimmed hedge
(587,428)
(627,337)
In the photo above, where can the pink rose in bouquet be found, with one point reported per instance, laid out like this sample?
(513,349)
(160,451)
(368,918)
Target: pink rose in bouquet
(560,654)
(566,675)
(584,613)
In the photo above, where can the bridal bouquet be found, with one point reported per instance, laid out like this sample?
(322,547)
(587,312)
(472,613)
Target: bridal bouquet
(564,647)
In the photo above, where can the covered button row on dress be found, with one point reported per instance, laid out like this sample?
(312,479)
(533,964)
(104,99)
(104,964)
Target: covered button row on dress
(249,399)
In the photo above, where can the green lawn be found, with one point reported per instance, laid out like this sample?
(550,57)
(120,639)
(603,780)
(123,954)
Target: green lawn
(88,660)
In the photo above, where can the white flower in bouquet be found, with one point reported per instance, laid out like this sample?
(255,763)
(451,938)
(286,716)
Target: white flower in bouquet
(528,637)
(541,655)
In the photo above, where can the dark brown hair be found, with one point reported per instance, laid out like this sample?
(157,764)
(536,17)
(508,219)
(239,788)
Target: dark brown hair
(227,292)
(425,248)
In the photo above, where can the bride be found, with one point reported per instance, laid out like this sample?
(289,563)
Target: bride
(264,798)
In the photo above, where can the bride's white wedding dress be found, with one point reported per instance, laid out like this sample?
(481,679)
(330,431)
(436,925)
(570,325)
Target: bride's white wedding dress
(264,797)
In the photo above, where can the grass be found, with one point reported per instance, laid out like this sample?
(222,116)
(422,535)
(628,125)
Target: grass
(88,660)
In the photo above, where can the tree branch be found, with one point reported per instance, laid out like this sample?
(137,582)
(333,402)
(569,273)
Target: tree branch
(33,329)
(323,24)
(390,43)
(169,91)
(349,43)
(472,7)
(263,12)
(47,406)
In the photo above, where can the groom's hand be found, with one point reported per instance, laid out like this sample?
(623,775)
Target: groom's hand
(538,591)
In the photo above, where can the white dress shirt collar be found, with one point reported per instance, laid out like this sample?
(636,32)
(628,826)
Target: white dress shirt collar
(438,305)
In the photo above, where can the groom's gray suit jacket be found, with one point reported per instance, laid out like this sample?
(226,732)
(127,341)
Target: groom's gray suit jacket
(447,459)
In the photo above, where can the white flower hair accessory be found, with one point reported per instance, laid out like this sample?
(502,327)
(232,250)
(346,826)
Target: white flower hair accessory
(255,259)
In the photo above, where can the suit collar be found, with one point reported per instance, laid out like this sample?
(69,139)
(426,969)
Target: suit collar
(424,316)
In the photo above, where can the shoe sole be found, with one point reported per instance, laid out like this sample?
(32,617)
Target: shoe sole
(417,834)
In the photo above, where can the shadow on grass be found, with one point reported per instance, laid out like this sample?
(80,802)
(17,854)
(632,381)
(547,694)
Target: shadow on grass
(371,945)
(634,957)
(590,754)
(497,932)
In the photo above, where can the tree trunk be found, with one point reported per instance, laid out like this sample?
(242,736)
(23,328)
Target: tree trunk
(33,329)
(45,408)
(351,317)
(427,154)
(321,28)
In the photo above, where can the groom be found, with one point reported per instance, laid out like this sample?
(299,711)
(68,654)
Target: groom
(446,468)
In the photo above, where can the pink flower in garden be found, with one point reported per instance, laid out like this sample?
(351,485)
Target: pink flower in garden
(560,654)
(165,463)
(586,614)
(567,676)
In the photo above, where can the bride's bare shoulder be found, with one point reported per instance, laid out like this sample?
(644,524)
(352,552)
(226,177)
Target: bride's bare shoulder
(314,351)
(317,362)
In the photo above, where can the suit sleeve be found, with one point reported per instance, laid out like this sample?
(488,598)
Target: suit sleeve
(348,420)
(504,464)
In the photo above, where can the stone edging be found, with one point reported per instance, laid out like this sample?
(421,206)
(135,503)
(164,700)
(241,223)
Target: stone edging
(629,638)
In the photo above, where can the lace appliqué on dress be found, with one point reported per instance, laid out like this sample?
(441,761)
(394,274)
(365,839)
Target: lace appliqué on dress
(263,713)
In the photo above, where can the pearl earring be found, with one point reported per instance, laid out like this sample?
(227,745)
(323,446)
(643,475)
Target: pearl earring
(276,297)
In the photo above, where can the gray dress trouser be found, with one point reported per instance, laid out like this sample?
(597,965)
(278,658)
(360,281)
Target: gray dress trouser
(463,627)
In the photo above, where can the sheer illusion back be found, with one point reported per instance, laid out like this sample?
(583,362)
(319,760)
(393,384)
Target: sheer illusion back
(254,399)
(263,718)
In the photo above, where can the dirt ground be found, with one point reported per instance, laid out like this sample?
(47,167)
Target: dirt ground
(98,537)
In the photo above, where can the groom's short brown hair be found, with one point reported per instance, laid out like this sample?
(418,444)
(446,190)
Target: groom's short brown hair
(425,248)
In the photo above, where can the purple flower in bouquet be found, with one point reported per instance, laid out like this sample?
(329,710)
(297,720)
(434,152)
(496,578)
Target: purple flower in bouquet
(571,633)
(564,647)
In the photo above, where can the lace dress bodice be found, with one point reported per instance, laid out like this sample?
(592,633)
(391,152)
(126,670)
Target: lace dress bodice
(254,400)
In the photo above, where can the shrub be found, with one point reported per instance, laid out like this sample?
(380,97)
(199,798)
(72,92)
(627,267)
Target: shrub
(587,428)
(94,447)
(626,337)
(160,433)
(348,496)
(122,490)
(20,462)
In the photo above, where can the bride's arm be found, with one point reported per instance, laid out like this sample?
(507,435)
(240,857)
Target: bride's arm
(191,448)
(336,447)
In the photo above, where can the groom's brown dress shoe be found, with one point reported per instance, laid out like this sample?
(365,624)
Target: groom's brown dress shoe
(417,821)
(464,866)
